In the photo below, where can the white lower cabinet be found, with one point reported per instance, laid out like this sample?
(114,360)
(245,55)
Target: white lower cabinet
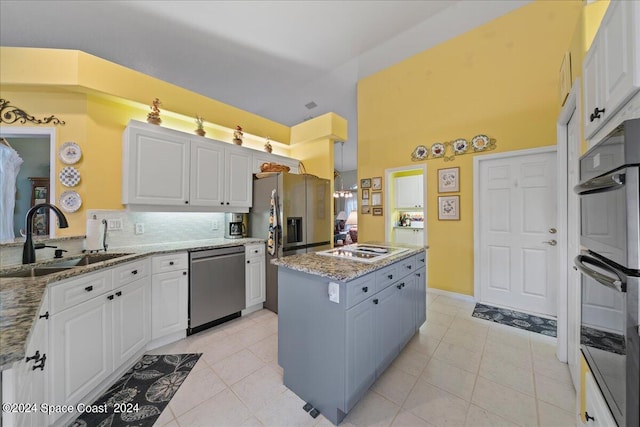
(169,301)
(92,339)
(255,274)
(596,407)
(409,236)
(27,381)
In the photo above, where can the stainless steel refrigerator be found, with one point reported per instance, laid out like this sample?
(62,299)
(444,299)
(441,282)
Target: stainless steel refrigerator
(304,219)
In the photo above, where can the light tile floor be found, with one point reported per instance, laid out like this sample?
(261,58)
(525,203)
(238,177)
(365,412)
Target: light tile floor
(457,371)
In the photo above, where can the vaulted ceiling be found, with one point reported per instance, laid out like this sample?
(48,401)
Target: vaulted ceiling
(273,58)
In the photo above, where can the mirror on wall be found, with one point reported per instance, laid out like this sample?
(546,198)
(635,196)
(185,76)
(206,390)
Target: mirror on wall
(32,183)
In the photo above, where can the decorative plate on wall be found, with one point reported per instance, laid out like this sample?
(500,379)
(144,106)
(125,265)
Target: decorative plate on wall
(420,153)
(70,201)
(460,146)
(437,149)
(69,176)
(480,142)
(70,153)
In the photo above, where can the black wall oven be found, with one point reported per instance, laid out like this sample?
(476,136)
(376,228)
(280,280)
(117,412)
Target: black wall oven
(609,192)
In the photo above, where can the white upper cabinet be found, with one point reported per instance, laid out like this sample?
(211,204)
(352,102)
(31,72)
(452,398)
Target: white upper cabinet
(263,157)
(611,70)
(409,192)
(155,167)
(164,167)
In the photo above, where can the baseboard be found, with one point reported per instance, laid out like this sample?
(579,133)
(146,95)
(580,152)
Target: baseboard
(450,294)
(176,336)
(251,309)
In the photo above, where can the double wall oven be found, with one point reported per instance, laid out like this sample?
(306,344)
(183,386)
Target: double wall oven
(609,192)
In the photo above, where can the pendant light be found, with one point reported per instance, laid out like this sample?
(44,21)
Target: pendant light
(342,193)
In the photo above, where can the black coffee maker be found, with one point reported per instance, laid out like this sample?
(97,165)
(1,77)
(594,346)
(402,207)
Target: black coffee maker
(235,225)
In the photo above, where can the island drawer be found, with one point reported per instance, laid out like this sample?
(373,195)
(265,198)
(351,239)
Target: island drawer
(130,272)
(359,290)
(172,262)
(254,250)
(386,276)
(406,266)
(421,260)
(75,291)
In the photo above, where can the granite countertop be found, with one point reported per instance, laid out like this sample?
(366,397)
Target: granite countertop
(341,269)
(21,297)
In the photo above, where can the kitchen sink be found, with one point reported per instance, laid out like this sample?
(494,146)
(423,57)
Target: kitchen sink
(35,272)
(89,259)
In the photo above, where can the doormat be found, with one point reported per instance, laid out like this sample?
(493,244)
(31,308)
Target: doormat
(138,398)
(516,319)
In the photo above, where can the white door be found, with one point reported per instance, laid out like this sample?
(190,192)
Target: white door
(207,174)
(131,319)
(239,180)
(169,303)
(516,199)
(256,281)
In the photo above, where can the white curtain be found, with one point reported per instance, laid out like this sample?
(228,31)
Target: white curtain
(10,163)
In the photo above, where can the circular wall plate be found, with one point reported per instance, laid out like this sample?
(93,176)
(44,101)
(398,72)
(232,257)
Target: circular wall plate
(69,176)
(70,153)
(70,201)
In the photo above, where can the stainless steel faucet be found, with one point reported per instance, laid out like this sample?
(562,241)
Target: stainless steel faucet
(29,251)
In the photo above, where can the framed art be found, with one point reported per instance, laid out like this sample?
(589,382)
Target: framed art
(377,211)
(365,202)
(449,180)
(449,208)
(365,194)
(365,210)
(365,183)
(376,183)
(376,198)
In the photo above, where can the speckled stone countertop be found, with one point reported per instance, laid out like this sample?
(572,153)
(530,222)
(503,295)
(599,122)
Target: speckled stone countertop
(342,269)
(21,297)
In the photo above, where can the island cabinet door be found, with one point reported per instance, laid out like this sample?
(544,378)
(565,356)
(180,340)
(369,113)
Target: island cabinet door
(407,310)
(361,357)
(420,296)
(388,304)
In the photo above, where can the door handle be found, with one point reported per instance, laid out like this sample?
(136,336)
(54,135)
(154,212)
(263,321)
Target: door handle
(553,230)
(551,242)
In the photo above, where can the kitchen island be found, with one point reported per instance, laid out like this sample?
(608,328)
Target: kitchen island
(341,322)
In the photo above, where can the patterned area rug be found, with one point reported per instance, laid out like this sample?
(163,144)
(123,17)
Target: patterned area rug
(516,319)
(138,398)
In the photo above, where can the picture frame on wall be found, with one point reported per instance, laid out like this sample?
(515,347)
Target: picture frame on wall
(376,198)
(376,183)
(449,208)
(365,194)
(377,211)
(365,210)
(365,183)
(449,180)
(365,202)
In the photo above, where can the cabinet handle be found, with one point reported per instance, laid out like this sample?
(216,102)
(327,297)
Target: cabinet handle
(119,293)
(409,267)
(418,274)
(88,288)
(248,262)
(35,357)
(170,262)
(365,289)
(44,316)
(110,297)
(588,417)
(390,277)
(596,114)
(375,301)
(422,260)
(399,286)
(186,202)
(134,272)
(222,203)
(227,202)
(255,251)
(184,273)
(41,365)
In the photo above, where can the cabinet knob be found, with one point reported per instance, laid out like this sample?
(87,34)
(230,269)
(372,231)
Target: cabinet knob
(88,288)
(41,365)
(186,202)
(44,316)
(110,297)
(222,203)
(365,289)
(170,262)
(596,114)
(375,301)
(408,267)
(134,272)
(390,277)
(119,293)
(399,286)
(184,273)
(588,417)
(248,262)
(227,202)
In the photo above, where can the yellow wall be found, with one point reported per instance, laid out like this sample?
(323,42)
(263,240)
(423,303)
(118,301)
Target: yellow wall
(96,99)
(500,79)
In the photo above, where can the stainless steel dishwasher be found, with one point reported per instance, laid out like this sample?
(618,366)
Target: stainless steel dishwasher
(216,287)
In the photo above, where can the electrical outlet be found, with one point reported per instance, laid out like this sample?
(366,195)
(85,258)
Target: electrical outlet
(139,228)
(114,224)
(214,225)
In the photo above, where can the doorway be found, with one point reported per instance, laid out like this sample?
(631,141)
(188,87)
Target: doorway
(516,230)
(36,147)
(405,205)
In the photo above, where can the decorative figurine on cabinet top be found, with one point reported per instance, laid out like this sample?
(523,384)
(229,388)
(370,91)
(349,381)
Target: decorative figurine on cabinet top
(267,145)
(154,116)
(200,122)
(237,135)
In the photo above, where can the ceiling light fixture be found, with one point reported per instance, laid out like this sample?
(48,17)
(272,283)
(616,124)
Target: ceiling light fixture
(342,192)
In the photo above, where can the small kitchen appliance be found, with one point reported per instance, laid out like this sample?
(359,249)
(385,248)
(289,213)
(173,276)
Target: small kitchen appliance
(235,225)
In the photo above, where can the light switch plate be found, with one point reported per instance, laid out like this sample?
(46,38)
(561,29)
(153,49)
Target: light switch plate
(139,228)
(114,224)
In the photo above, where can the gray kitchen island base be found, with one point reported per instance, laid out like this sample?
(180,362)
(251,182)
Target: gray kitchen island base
(332,352)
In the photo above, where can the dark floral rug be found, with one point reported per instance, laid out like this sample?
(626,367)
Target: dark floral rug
(138,398)
(516,319)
